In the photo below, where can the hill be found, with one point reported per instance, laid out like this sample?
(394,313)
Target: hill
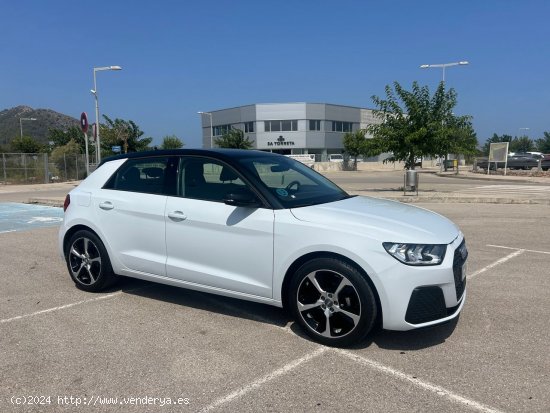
(38,129)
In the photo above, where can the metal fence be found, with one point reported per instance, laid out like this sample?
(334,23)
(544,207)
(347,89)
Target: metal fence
(20,168)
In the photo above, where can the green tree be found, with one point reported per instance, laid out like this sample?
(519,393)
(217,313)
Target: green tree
(234,139)
(414,123)
(124,133)
(26,144)
(171,142)
(543,144)
(460,137)
(64,158)
(354,145)
(61,137)
(453,134)
(521,144)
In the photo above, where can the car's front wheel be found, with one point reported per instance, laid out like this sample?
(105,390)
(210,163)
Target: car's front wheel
(88,262)
(332,301)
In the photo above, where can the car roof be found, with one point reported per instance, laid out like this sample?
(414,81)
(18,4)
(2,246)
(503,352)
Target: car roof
(226,154)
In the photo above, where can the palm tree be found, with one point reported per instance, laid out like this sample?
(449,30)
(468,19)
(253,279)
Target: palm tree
(234,139)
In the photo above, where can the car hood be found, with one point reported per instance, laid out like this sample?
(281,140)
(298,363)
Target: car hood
(384,220)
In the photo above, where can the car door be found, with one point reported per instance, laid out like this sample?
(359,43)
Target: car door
(131,209)
(214,244)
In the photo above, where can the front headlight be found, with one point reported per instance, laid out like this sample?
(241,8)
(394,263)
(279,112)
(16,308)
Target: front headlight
(416,254)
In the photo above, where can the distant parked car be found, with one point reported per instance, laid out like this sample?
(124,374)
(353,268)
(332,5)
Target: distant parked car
(517,161)
(545,162)
(336,157)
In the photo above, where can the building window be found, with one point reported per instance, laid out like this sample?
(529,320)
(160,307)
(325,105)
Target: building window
(273,126)
(314,125)
(281,125)
(338,126)
(249,127)
(220,130)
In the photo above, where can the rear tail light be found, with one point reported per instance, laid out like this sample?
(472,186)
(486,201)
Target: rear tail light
(67,202)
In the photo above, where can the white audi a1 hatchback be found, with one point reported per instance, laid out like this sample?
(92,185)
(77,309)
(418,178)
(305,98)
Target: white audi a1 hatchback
(265,228)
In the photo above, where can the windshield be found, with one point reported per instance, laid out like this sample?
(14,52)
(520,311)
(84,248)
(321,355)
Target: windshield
(292,182)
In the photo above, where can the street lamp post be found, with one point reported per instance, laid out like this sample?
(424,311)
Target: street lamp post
(211,128)
(444,66)
(21,124)
(520,129)
(94,92)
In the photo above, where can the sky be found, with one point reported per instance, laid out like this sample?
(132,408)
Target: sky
(180,57)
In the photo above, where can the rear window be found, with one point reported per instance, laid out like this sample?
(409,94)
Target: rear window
(147,175)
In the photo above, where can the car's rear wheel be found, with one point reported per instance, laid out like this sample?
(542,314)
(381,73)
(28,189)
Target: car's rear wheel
(332,301)
(88,262)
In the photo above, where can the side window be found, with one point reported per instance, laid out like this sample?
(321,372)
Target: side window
(208,179)
(147,175)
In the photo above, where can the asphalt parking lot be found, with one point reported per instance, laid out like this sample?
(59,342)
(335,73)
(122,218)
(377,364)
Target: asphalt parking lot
(163,345)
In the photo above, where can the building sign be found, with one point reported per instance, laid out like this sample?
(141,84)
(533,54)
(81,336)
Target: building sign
(280,142)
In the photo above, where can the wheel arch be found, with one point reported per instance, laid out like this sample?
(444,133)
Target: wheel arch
(73,230)
(326,254)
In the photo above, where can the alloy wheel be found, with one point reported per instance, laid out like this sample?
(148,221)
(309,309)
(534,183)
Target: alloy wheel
(85,261)
(329,303)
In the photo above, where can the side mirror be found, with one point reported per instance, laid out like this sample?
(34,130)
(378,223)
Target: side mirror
(243,197)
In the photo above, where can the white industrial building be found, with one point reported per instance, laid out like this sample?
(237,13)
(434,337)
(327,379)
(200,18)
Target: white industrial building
(289,128)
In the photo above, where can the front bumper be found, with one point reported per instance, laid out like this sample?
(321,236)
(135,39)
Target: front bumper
(425,296)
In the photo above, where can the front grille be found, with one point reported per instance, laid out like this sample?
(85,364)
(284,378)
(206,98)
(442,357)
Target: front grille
(460,257)
(426,304)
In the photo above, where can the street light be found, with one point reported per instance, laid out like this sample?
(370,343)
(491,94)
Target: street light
(524,129)
(445,65)
(21,124)
(94,92)
(211,128)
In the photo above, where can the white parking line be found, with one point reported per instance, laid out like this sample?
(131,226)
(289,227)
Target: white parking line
(440,391)
(512,248)
(262,380)
(62,307)
(497,262)
(8,231)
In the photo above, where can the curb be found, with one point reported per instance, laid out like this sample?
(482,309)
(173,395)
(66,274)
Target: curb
(489,178)
(508,201)
(46,201)
(459,200)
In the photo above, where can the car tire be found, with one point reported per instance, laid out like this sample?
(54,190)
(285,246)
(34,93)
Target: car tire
(88,262)
(333,302)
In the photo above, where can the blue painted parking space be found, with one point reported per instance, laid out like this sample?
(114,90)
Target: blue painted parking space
(20,217)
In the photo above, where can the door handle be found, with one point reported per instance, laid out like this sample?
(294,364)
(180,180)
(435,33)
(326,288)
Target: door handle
(106,205)
(177,216)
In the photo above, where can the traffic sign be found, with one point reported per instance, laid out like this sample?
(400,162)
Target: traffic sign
(116,149)
(84,122)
